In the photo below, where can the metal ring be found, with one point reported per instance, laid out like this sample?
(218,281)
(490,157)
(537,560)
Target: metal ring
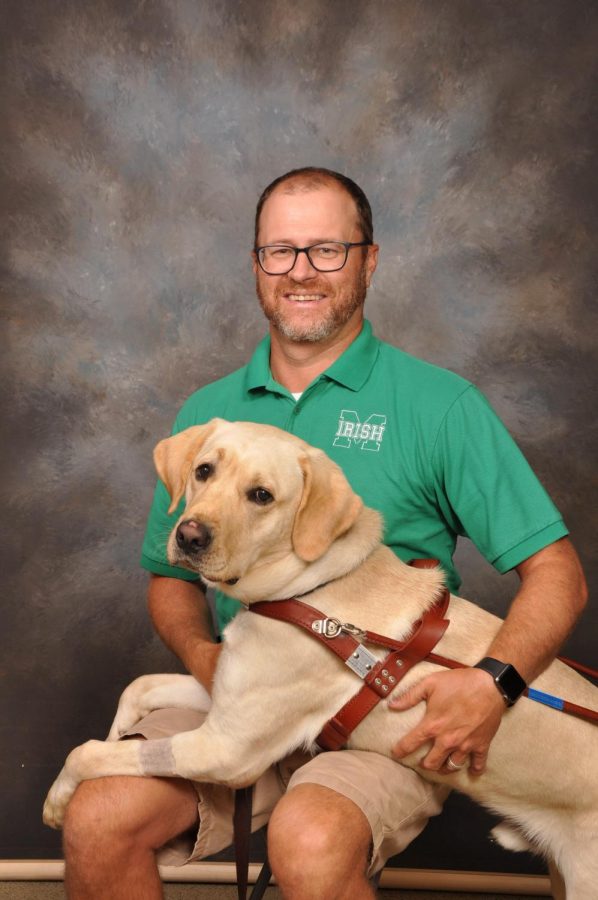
(453,765)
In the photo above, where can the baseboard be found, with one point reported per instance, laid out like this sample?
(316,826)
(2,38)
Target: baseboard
(405,879)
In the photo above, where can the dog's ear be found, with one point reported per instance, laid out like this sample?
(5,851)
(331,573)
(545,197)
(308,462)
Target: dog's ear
(328,506)
(174,456)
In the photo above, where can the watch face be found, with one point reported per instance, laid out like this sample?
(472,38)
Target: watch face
(506,678)
(511,682)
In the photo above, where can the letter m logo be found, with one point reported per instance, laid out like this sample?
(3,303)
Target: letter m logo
(351,430)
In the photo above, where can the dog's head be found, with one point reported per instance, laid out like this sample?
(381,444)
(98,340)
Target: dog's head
(254,496)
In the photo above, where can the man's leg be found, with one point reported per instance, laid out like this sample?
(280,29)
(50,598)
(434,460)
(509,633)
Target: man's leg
(319,845)
(112,828)
(343,815)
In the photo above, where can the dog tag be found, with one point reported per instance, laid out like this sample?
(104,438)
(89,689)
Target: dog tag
(361,661)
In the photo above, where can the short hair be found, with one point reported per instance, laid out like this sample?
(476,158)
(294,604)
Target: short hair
(312,176)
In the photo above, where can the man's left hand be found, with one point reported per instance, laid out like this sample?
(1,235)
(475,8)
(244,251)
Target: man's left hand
(463,713)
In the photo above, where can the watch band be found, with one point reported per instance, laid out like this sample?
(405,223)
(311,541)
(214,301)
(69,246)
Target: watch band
(506,678)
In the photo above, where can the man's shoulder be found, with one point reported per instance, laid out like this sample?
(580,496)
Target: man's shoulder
(207,401)
(419,378)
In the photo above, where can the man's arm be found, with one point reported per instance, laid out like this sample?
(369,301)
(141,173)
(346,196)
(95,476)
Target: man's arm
(552,595)
(464,707)
(181,616)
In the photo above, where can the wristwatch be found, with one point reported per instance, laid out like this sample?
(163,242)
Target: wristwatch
(506,678)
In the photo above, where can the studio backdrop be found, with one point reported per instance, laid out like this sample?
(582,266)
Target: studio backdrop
(136,139)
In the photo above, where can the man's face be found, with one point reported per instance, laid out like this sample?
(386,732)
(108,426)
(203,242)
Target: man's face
(304,304)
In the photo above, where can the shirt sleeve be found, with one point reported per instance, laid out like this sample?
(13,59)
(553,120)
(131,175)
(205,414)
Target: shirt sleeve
(487,490)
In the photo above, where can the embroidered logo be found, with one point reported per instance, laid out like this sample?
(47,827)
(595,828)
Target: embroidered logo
(351,430)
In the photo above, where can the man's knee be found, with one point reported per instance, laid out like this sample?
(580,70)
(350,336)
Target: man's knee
(100,812)
(315,830)
(121,813)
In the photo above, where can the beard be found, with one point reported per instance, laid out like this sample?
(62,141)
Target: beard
(337,313)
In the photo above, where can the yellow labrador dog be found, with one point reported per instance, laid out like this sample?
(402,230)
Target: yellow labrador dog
(268,517)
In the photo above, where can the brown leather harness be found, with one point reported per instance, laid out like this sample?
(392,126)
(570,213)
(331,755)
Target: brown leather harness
(380,677)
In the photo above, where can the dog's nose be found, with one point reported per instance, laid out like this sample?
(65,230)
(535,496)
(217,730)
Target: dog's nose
(192,536)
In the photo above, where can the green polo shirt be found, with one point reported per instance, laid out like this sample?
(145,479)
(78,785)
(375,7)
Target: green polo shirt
(416,442)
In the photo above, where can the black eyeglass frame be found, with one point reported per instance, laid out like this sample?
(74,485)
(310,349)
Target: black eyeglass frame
(297,250)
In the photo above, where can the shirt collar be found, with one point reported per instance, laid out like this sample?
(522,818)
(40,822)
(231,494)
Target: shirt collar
(351,369)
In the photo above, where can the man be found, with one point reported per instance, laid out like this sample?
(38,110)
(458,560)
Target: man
(422,446)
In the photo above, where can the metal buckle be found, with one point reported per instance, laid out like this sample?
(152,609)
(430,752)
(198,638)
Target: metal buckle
(331,628)
(361,661)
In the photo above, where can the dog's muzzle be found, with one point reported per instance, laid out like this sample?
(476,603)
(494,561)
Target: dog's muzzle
(193,537)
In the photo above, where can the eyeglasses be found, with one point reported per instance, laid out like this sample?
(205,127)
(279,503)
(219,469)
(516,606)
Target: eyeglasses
(278,259)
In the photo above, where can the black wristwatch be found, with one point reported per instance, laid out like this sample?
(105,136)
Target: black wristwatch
(506,678)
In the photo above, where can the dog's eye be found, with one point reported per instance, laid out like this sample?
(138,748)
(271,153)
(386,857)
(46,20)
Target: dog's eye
(203,472)
(260,496)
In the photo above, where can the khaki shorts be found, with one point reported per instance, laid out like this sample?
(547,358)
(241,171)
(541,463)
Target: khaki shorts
(396,801)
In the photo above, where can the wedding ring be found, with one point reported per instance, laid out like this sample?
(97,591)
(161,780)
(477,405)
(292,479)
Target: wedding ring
(453,765)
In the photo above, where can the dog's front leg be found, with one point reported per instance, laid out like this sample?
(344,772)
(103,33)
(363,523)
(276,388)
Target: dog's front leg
(150,692)
(201,755)
(209,754)
(90,760)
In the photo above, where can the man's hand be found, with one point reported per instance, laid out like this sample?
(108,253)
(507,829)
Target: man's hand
(463,713)
(464,708)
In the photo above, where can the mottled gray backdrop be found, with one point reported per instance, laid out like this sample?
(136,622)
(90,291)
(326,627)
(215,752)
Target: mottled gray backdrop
(136,139)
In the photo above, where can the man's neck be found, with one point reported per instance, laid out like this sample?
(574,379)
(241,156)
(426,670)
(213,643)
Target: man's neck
(295,365)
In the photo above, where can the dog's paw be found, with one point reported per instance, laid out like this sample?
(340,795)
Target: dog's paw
(132,706)
(57,800)
(150,692)
(123,720)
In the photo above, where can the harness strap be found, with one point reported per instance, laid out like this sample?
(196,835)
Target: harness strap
(579,667)
(309,618)
(380,677)
(384,676)
(582,712)
(242,832)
